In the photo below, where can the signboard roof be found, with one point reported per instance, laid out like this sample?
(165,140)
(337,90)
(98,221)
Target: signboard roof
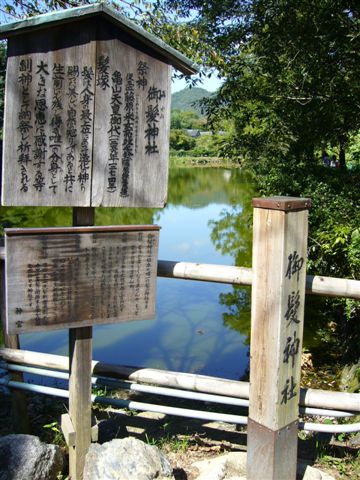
(175,58)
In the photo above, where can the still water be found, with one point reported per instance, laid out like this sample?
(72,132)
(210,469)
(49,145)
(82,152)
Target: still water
(199,327)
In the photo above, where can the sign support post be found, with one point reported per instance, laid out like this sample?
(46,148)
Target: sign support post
(277,317)
(18,398)
(80,358)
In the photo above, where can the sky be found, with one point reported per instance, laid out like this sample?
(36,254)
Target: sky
(210,84)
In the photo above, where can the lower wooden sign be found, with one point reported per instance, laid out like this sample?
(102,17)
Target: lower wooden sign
(79,276)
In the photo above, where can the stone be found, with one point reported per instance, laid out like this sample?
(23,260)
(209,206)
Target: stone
(312,473)
(232,466)
(354,441)
(229,466)
(126,459)
(25,457)
(152,415)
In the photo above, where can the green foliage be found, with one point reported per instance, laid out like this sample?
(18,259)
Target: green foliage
(100,391)
(206,144)
(55,434)
(179,140)
(291,71)
(354,151)
(187,119)
(209,145)
(168,442)
(354,252)
(334,244)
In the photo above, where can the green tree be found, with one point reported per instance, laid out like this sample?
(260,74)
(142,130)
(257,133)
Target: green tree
(18,8)
(179,140)
(291,71)
(292,87)
(187,119)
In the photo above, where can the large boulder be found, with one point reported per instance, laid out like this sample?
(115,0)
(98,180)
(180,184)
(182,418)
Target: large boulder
(24,457)
(126,459)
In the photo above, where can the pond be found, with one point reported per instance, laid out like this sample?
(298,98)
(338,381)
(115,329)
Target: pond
(199,327)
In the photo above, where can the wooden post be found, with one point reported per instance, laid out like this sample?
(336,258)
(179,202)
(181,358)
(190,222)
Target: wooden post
(18,398)
(277,313)
(80,358)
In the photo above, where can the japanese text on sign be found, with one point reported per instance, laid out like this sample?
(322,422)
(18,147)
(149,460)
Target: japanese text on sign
(80,278)
(87,127)
(292,347)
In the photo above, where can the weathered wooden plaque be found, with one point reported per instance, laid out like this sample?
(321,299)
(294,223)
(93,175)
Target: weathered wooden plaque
(81,276)
(87,119)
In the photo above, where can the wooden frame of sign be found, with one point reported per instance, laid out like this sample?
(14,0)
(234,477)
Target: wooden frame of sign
(79,276)
(87,111)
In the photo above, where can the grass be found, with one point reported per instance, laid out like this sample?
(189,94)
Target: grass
(55,434)
(168,441)
(344,463)
(172,443)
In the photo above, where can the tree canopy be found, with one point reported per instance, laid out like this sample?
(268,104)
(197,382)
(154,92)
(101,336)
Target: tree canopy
(291,71)
(291,68)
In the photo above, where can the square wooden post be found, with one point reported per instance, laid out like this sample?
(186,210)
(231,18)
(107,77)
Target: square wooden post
(18,398)
(277,317)
(80,358)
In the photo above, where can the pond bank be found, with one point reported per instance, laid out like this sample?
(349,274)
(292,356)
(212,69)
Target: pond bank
(177,161)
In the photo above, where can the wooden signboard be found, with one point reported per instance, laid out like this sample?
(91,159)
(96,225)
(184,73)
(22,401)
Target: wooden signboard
(86,124)
(87,111)
(82,276)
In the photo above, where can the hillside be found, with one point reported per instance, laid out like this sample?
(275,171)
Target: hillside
(185,99)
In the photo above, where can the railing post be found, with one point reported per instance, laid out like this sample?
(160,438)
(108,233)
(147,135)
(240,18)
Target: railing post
(277,317)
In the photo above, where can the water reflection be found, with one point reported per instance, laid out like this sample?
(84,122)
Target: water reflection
(199,327)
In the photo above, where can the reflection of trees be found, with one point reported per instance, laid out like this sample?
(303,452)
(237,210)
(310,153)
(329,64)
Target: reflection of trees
(26,217)
(232,235)
(125,216)
(187,187)
(198,187)
(238,315)
(187,183)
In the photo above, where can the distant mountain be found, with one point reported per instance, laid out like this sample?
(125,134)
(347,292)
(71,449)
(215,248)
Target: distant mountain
(185,99)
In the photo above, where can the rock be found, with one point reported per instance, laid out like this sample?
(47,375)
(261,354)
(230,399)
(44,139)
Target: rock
(24,457)
(312,473)
(152,415)
(126,459)
(355,440)
(231,466)
(306,472)
(350,378)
